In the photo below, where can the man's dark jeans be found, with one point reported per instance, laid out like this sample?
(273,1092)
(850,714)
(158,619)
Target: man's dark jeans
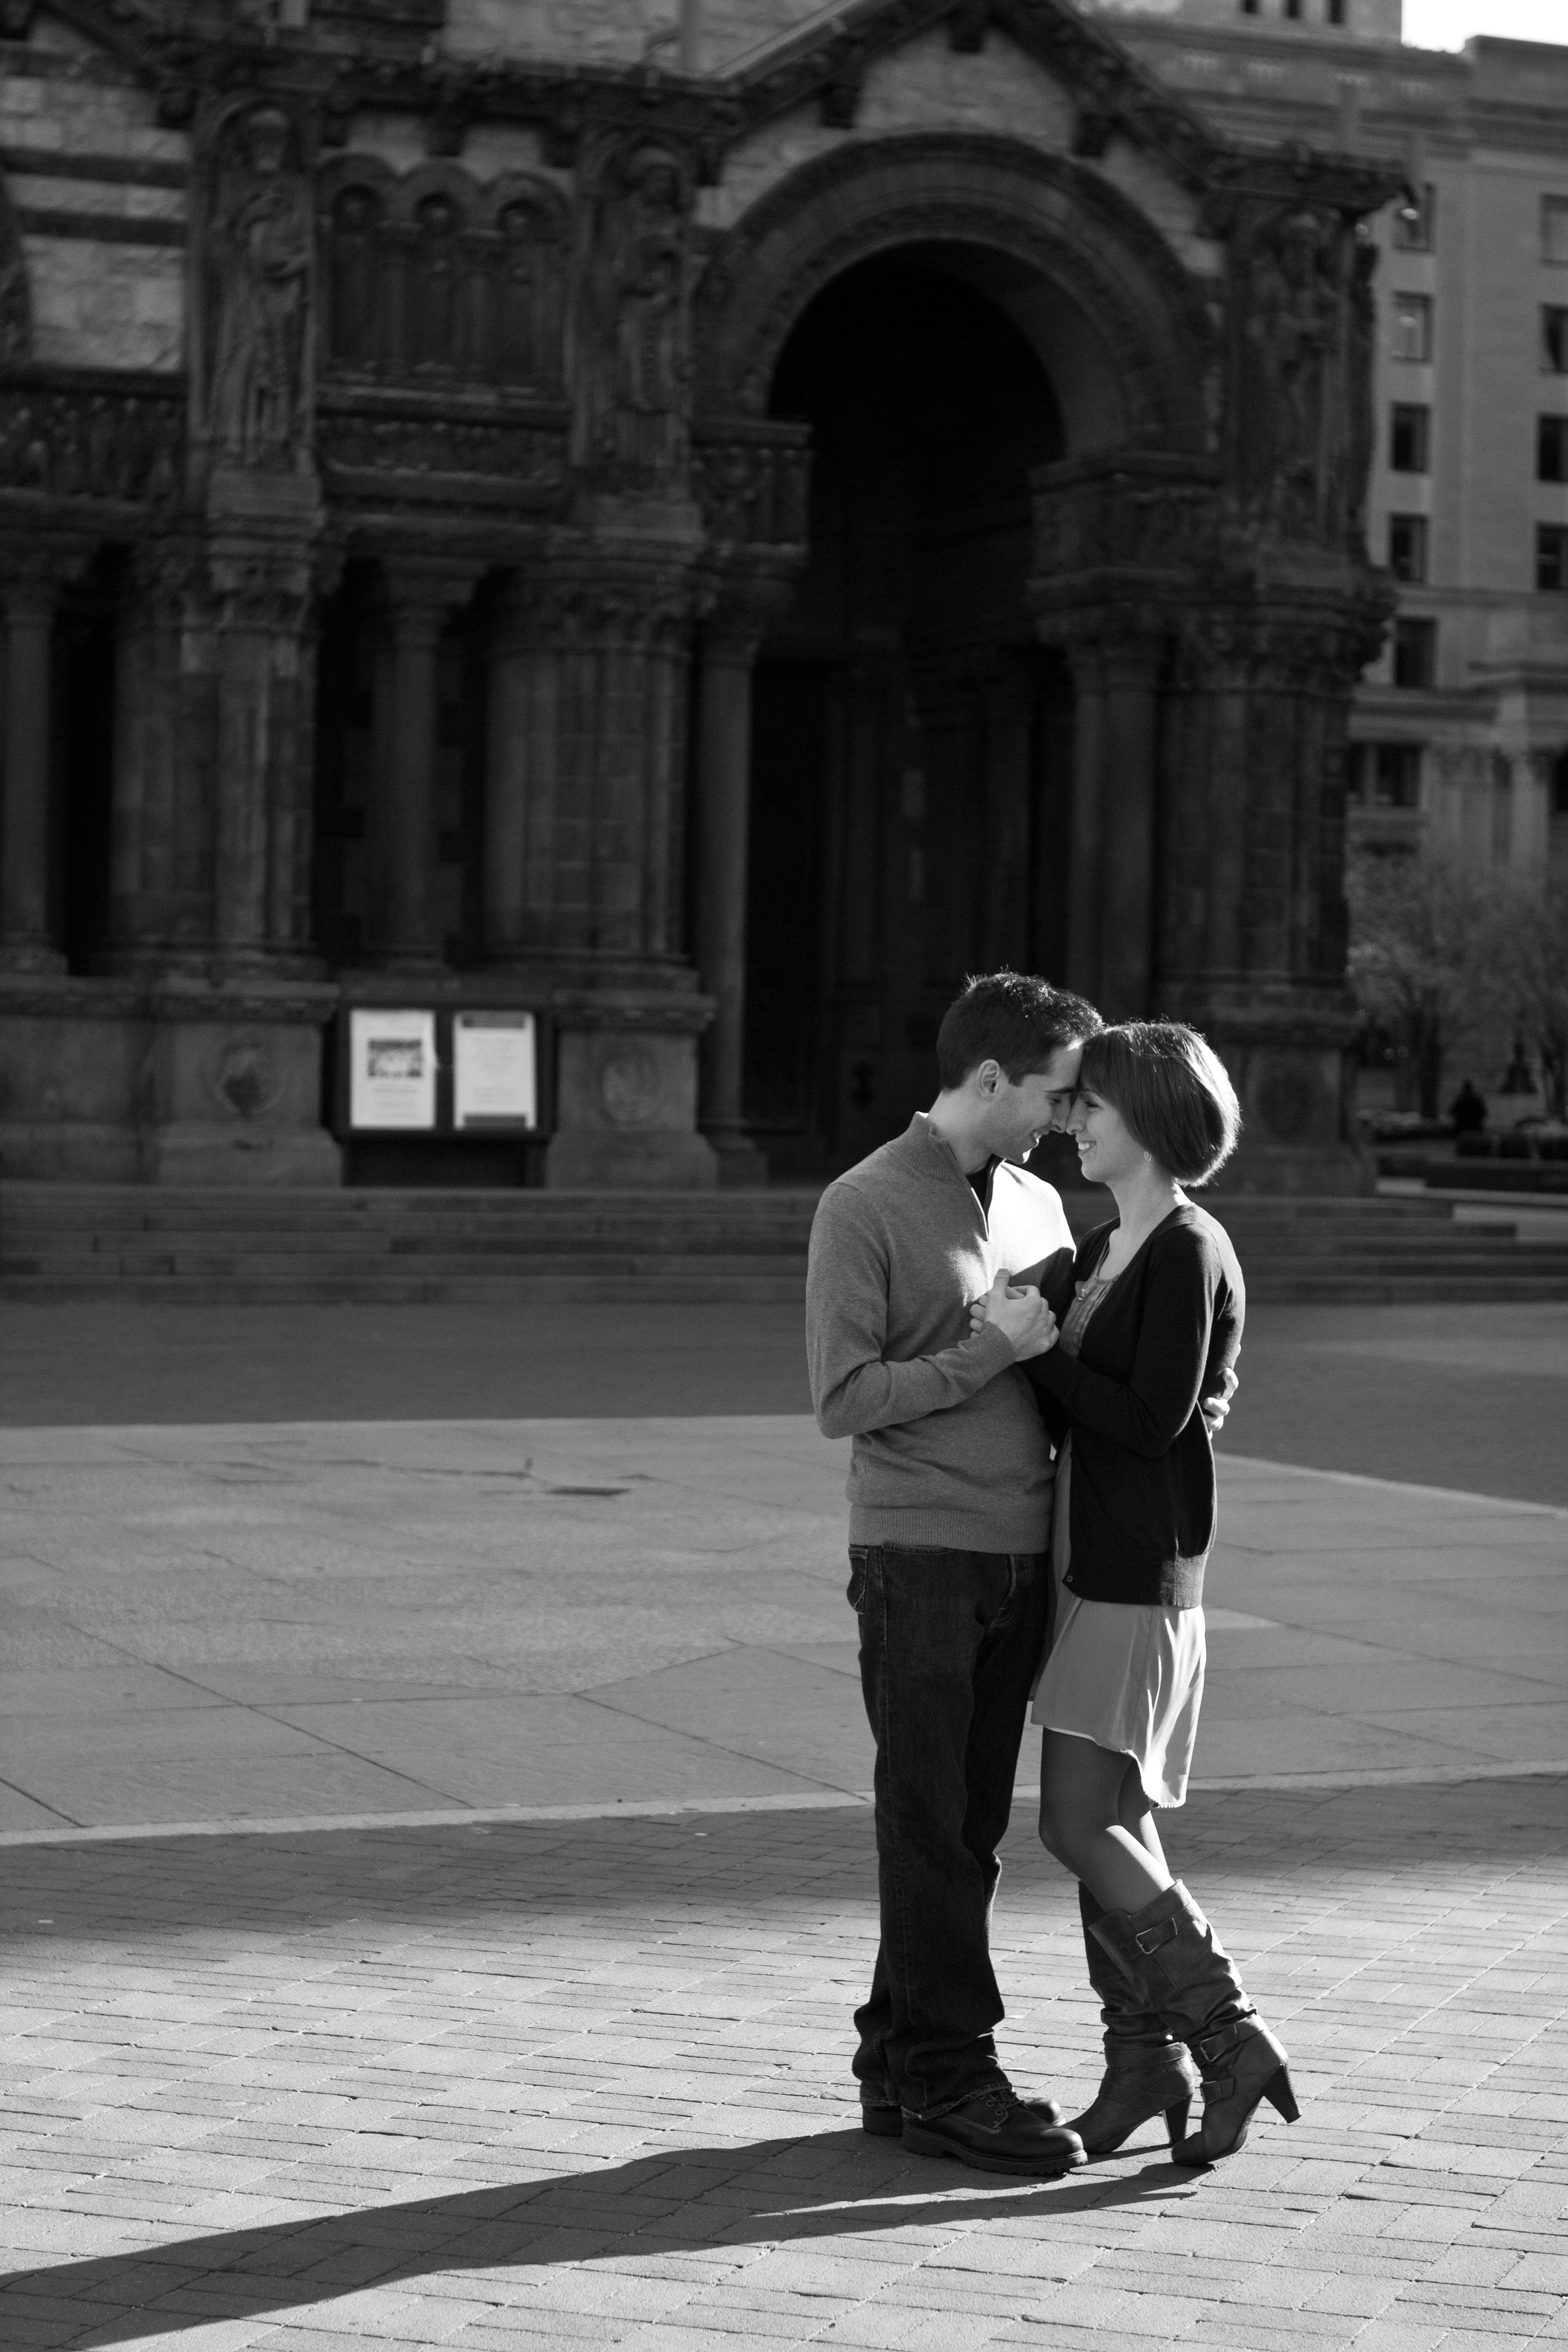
(949,1643)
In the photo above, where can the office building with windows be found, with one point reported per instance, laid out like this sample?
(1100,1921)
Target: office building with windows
(1460,730)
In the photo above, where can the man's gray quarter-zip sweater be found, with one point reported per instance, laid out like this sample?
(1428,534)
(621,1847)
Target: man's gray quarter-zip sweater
(948,1445)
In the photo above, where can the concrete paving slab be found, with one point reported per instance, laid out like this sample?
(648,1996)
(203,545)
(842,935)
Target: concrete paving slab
(423,1614)
(486,1749)
(763,1703)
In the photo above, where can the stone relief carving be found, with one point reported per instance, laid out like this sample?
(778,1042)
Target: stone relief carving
(244,1079)
(753,492)
(631,360)
(528,458)
(631,1087)
(76,444)
(259,257)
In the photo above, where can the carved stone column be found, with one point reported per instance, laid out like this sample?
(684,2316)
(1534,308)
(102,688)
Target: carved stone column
(29,607)
(1111,892)
(1252,931)
(727,656)
(521,795)
(420,598)
(1004,688)
(260,804)
(161,862)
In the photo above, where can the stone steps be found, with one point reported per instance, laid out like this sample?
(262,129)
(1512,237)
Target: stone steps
(201,1247)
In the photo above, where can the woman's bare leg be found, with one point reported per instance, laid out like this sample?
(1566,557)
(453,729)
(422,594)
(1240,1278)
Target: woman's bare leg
(1095,1827)
(1136,1815)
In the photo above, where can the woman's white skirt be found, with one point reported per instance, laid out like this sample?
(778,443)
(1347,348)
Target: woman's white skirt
(1130,1678)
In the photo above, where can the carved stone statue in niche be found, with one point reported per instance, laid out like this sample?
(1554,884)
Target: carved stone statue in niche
(259,257)
(631,354)
(1360,333)
(522,297)
(353,273)
(1291,333)
(433,285)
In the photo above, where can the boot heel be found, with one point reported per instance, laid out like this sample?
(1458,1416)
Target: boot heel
(1278,2094)
(1176,2119)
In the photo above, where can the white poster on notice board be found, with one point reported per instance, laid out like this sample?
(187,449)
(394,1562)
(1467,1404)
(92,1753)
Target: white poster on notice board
(391,1068)
(495,1070)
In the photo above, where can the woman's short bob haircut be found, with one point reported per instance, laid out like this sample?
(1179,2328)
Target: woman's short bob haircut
(1172,1091)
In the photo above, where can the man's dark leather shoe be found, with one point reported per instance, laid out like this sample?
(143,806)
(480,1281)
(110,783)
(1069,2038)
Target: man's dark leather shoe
(996,2132)
(881,2115)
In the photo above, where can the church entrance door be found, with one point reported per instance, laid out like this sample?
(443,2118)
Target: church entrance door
(912,741)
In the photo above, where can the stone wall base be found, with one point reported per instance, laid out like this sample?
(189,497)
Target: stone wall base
(106,1082)
(625,1095)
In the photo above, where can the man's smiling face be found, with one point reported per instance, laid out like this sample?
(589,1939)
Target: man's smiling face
(1023,1111)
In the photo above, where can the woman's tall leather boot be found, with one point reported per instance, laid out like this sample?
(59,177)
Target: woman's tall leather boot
(1178,1964)
(1146,2072)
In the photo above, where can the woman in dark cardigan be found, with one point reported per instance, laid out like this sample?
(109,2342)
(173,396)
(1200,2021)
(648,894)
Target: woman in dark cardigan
(1153,1321)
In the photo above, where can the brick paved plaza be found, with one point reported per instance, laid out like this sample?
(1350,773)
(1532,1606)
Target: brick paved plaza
(538,2032)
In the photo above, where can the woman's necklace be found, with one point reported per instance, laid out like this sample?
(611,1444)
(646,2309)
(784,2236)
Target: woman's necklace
(1129,1238)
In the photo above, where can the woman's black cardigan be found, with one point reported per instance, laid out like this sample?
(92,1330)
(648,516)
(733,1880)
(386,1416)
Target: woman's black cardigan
(1141,1494)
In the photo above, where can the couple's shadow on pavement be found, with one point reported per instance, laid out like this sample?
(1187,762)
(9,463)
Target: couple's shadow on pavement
(675,2200)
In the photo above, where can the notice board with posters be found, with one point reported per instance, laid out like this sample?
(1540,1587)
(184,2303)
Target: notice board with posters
(495,1071)
(404,1070)
(392,1069)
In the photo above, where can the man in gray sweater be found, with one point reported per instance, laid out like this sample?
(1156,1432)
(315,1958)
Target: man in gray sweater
(950,1506)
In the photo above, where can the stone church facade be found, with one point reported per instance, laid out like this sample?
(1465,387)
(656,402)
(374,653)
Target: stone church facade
(491,520)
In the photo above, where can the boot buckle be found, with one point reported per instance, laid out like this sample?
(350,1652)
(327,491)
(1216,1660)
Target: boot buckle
(1214,2045)
(1149,1939)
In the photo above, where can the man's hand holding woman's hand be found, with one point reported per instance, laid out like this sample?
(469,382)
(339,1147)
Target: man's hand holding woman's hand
(1020,1315)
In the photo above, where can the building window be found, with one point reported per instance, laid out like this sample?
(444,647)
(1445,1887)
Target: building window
(1293,10)
(1554,228)
(1551,557)
(1552,448)
(1336,12)
(1409,440)
(1553,340)
(1412,327)
(1249,7)
(1415,653)
(1560,785)
(1385,775)
(1415,221)
(1407,547)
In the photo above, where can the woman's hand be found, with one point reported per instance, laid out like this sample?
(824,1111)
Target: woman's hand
(1019,1313)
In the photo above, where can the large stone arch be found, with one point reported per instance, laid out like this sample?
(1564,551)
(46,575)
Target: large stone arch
(1120,325)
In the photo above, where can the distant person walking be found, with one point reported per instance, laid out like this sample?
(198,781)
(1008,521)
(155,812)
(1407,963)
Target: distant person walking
(1157,1304)
(1468,1111)
(949,1495)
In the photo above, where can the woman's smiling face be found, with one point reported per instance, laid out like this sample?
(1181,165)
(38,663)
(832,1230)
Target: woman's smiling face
(1107,1148)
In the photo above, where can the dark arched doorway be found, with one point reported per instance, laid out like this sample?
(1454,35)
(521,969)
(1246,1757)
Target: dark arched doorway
(910,738)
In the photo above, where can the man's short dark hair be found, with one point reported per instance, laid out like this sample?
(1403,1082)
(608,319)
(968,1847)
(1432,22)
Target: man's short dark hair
(1011,1018)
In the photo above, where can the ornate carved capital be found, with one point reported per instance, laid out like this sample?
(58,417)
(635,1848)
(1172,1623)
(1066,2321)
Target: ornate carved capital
(420,592)
(1306,643)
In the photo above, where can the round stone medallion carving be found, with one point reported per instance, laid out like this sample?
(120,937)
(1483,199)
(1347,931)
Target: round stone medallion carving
(244,1078)
(1290,1099)
(631,1085)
